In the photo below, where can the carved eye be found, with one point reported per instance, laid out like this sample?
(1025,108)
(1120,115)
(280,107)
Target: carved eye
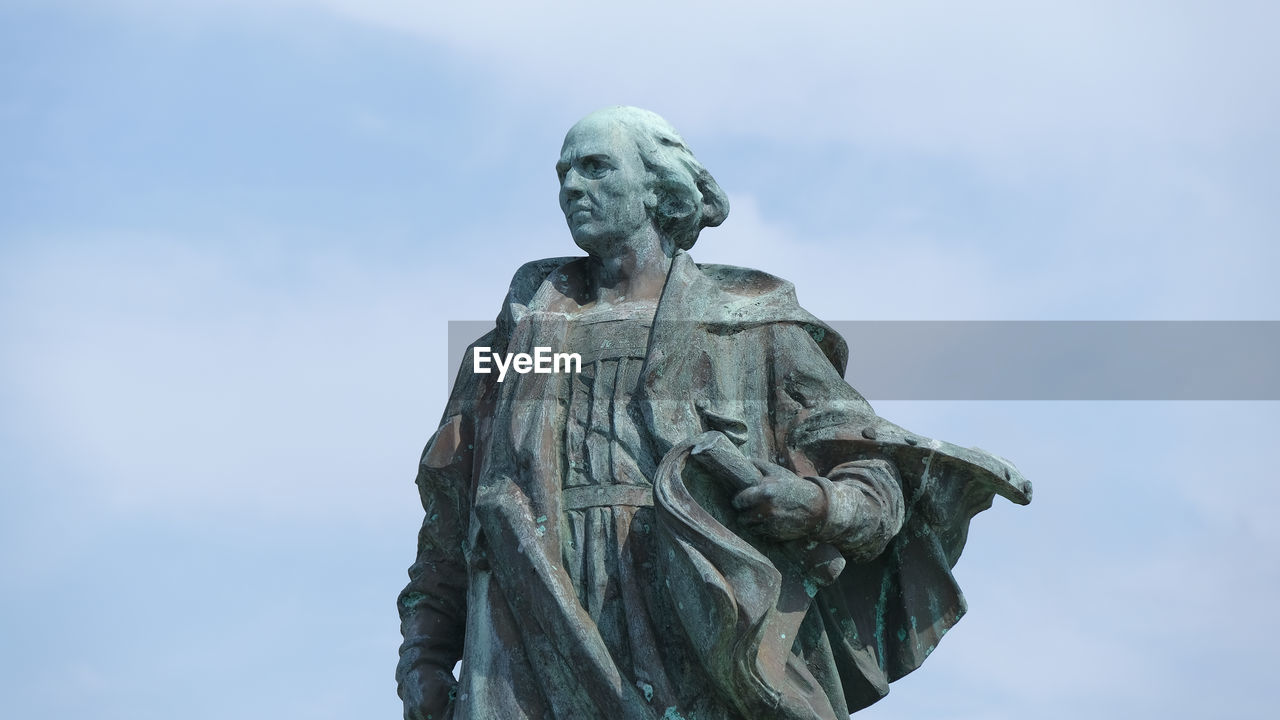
(594,167)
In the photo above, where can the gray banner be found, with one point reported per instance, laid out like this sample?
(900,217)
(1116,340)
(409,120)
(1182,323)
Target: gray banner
(1041,360)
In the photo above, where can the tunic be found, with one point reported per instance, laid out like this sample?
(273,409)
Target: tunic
(608,501)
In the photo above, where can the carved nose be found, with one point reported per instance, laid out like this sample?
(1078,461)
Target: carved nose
(573,180)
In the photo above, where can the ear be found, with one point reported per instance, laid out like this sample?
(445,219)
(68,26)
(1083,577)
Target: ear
(675,203)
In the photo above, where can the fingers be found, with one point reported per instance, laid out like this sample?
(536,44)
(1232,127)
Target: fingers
(427,693)
(753,495)
(759,512)
(771,470)
(782,508)
(776,527)
(774,494)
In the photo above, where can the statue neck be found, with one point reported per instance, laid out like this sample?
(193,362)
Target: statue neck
(637,274)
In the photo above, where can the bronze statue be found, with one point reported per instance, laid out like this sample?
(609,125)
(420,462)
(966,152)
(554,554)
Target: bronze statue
(702,520)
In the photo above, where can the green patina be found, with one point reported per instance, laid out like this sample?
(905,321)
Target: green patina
(810,587)
(882,606)
(724,375)
(645,688)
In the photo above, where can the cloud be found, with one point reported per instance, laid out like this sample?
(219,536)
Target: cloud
(171,374)
(995,77)
(888,273)
(1080,161)
(195,408)
(1121,581)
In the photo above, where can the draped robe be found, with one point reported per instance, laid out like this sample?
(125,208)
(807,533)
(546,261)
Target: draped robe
(730,350)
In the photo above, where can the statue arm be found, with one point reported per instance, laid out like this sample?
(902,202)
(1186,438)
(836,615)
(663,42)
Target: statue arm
(432,606)
(862,506)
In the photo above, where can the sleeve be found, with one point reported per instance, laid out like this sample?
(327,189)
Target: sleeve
(899,507)
(432,606)
(864,507)
(863,489)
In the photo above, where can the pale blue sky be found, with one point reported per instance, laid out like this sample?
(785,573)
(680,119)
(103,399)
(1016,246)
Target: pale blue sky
(232,234)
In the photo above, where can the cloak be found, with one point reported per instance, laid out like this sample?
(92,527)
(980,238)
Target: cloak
(730,351)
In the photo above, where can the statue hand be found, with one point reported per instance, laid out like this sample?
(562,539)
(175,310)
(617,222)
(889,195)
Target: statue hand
(784,506)
(428,693)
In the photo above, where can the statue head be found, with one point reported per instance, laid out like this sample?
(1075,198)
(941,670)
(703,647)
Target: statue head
(623,169)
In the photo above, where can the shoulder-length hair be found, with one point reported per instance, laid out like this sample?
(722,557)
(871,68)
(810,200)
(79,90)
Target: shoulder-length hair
(688,198)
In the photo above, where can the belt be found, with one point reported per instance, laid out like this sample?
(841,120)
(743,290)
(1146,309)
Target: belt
(582,497)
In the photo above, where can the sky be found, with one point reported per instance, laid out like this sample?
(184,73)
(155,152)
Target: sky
(233,233)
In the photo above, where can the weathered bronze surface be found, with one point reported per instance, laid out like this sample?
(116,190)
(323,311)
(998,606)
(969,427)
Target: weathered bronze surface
(704,521)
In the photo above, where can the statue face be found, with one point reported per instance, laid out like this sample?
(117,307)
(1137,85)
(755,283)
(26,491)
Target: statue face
(603,187)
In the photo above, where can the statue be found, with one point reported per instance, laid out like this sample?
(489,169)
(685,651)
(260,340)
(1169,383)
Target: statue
(700,519)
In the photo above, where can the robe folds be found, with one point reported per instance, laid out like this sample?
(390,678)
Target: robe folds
(730,350)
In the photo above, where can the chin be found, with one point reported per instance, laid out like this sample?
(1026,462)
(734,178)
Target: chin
(589,244)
